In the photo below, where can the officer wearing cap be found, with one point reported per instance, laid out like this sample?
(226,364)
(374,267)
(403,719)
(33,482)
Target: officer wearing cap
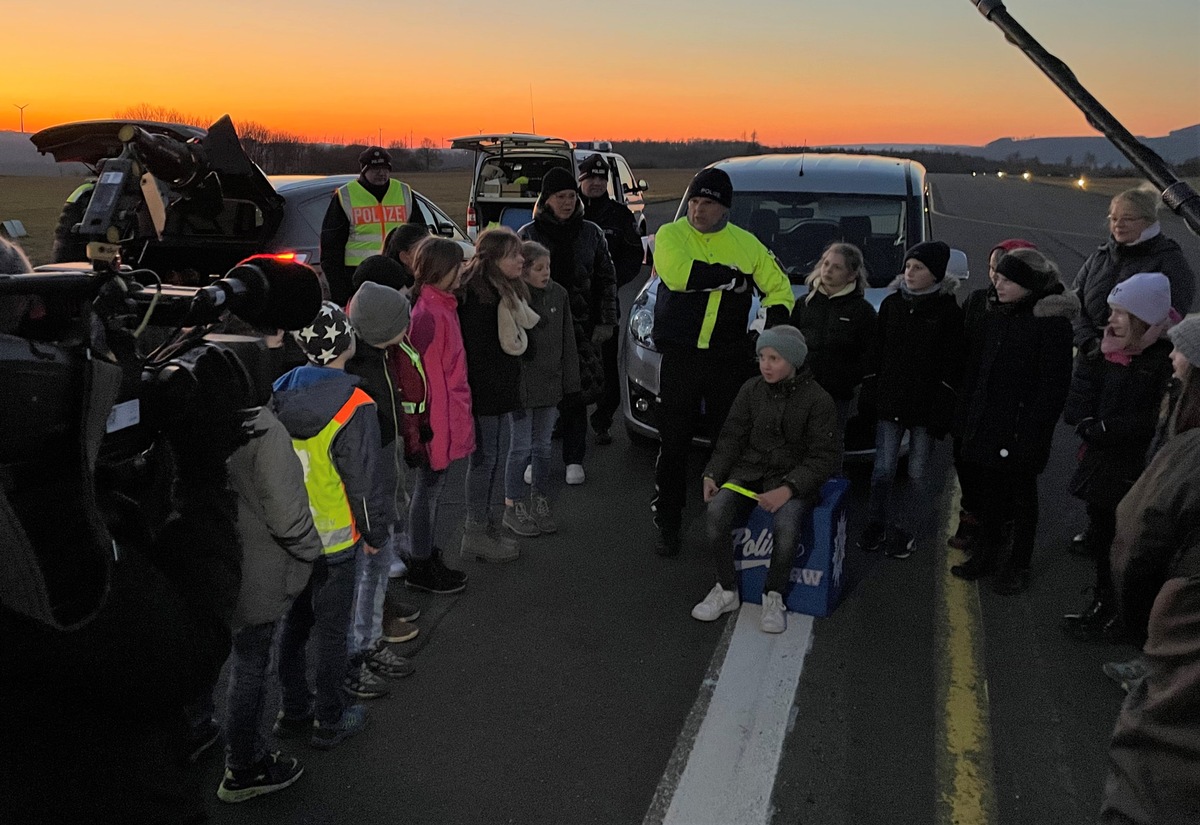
(710,270)
(359,218)
(625,249)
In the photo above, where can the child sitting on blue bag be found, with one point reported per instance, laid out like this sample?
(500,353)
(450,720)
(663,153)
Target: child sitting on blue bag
(778,446)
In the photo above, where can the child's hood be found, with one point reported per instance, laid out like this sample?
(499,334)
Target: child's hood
(308,397)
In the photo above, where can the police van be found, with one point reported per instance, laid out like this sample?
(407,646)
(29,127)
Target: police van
(796,205)
(509,169)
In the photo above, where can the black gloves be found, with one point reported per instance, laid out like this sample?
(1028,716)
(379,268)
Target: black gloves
(776,315)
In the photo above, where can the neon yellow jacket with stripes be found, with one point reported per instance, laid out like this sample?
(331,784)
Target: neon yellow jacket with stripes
(708,282)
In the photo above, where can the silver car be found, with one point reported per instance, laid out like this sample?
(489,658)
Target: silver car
(797,205)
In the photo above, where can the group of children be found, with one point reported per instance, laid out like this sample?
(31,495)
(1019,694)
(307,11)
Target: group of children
(994,373)
(482,354)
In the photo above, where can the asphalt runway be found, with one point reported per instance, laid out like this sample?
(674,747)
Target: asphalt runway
(555,689)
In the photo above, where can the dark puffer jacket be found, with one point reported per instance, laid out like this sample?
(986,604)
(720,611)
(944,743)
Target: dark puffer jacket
(493,374)
(775,434)
(1125,402)
(916,359)
(588,274)
(1018,369)
(838,332)
(1112,263)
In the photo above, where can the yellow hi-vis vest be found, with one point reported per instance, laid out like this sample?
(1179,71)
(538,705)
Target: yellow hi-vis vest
(326,494)
(371,220)
(414,357)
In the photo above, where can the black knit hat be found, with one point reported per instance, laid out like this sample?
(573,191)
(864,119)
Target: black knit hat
(594,166)
(934,254)
(713,184)
(558,180)
(1023,275)
(381,269)
(374,156)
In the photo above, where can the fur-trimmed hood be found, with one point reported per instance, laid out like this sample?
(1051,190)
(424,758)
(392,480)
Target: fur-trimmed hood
(949,285)
(1063,305)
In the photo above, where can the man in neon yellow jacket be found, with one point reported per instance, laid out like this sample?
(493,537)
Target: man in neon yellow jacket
(710,270)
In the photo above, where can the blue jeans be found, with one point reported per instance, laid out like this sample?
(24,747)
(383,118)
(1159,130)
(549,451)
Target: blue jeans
(483,465)
(371,580)
(322,611)
(728,508)
(529,444)
(884,506)
(422,516)
(245,742)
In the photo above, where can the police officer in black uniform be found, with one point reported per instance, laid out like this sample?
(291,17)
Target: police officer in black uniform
(625,249)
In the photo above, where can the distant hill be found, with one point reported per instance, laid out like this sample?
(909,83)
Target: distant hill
(19,157)
(1085,152)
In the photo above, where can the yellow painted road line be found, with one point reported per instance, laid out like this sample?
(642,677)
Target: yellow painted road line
(965,778)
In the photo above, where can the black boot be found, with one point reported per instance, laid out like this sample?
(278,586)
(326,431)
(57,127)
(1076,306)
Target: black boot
(431,576)
(968,525)
(668,541)
(976,567)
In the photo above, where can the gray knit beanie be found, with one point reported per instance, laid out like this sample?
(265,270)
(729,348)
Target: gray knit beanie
(1186,337)
(378,313)
(787,341)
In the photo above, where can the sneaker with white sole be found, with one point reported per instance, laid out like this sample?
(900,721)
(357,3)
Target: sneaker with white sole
(774,617)
(528,474)
(718,602)
(274,773)
(575,474)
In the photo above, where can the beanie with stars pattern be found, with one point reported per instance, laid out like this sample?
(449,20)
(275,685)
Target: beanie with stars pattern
(327,337)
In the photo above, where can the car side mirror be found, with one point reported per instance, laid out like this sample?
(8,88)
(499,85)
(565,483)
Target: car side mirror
(445,229)
(642,185)
(958,266)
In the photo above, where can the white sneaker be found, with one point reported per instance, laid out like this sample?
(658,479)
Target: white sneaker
(718,602)
(774,617)
(575,474)
(529,474)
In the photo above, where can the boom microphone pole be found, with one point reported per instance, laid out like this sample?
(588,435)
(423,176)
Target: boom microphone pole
(1179,197)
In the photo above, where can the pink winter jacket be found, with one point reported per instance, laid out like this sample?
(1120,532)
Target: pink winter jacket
(435,333)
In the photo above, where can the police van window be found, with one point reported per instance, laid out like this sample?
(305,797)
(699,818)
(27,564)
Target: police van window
(627,181)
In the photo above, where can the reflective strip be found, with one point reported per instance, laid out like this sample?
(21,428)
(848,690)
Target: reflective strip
(80,191)
(729,485)
(341,538)
(710,319)
(415,358)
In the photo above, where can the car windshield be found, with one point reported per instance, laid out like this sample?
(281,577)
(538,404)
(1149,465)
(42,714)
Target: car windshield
(798,226)
(517,176)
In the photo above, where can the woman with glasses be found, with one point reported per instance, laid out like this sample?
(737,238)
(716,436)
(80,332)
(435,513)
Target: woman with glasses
(1135,244)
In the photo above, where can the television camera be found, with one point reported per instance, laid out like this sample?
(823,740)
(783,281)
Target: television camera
(101,369)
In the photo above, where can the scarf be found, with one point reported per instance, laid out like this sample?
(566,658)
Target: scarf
(561,237)
(513,317)
(1120,351)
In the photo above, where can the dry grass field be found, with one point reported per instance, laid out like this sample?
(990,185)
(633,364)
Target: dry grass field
(36,201)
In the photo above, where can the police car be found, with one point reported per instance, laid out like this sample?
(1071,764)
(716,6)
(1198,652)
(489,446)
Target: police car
(508,174)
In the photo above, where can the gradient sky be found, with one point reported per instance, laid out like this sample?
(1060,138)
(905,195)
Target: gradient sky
(831,71)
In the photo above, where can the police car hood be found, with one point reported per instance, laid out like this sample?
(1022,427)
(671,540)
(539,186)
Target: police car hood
(307,398)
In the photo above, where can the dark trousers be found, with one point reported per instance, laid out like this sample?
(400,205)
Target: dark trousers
(572,424)
(729,508)
(1102,529)
(322,610)
(245,742)
(1004,498)
(968,480)
(607,406)
(690,380)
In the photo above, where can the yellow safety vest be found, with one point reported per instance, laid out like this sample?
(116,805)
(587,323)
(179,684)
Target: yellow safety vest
(371,220)
(326,493)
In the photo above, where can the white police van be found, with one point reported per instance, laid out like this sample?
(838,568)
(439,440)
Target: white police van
(797,205)
(509,169)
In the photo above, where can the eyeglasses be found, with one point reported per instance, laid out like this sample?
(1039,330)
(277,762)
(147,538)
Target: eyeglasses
(1119,220)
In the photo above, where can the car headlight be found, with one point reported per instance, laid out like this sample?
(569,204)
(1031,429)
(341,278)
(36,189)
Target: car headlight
(641,326)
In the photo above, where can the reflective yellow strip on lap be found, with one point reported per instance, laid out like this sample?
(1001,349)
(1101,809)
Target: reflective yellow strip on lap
(965,777)
(729,485)
(710,319)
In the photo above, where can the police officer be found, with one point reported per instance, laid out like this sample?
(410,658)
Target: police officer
(625,249)
(710,270)
(359,218)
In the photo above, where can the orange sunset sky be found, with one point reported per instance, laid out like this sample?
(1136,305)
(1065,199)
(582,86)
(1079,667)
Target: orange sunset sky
(834,71)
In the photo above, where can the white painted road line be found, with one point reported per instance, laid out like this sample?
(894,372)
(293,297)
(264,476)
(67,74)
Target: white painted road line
(731,769)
